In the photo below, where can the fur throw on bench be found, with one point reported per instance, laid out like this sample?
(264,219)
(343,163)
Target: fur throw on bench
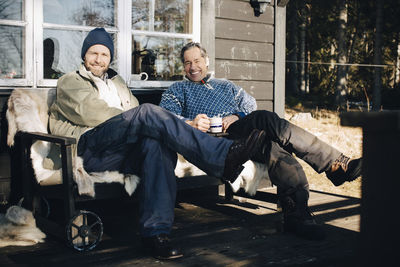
(18,228)
(28,111)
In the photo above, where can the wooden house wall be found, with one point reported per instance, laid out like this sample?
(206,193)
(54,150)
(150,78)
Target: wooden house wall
(244,48)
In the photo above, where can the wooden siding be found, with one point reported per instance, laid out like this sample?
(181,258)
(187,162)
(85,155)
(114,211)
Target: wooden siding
(261,90)
(265,105)
(245,70)
(241,10)
(244,49)
(243,30)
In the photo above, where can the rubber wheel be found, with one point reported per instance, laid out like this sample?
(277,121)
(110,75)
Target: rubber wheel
(84,231)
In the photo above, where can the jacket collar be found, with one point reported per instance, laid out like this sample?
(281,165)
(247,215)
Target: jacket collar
(84,72)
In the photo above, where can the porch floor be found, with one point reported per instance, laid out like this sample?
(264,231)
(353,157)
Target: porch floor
(213,232)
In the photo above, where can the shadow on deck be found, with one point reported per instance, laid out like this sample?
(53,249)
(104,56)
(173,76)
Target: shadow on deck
(212,232)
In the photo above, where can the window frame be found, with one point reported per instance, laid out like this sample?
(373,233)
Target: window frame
(194,36)
(28,62)
(40,25)
(35,25)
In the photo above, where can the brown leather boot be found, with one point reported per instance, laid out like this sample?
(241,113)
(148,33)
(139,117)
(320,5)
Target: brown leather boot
(298,219)
(344,170)
(160,247)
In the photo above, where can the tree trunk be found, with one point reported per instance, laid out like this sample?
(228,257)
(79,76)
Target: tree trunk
(292,47)
(302,48)
(341,82)
(376,101)
(397,71)
(355,31)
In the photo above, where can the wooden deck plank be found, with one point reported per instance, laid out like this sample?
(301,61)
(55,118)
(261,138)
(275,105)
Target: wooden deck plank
(213,232)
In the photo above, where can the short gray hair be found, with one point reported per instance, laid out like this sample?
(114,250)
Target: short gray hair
(191,45)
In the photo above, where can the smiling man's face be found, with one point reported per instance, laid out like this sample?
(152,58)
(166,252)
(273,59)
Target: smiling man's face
(97,59)
(194,64)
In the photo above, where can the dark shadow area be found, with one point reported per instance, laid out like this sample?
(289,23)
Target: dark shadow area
(209,233)
(336,195)
(49,56)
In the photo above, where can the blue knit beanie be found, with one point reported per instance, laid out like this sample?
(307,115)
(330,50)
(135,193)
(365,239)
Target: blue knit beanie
(98,36)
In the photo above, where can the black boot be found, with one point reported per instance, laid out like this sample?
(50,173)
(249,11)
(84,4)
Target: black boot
(240,152)
(160,247)
(344,170)
(297,218)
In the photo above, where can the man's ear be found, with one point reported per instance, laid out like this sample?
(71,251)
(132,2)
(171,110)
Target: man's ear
(207,61)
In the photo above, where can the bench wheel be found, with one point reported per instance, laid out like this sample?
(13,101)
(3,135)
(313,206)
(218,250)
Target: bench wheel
(84,231)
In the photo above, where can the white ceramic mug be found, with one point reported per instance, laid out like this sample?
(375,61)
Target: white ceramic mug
(139,77)
(216,125)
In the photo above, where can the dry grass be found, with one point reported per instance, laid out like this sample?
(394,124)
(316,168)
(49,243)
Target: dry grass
(326,125)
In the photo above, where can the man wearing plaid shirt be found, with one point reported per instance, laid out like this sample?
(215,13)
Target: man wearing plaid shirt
(200,97)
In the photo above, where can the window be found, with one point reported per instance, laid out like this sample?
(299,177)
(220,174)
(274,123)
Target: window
(160,28)
(65,26)
(14,54)
(42,39)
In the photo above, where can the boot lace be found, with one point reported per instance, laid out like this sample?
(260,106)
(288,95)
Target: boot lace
(341,162)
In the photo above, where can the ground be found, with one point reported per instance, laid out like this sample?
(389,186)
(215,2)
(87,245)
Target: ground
(326,125)
(211,232)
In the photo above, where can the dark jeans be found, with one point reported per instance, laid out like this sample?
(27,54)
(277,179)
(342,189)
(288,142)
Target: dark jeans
(144,141)
(285,138)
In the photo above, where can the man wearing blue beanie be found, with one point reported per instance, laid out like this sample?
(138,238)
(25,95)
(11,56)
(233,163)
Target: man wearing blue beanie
(115,133)
(98,36)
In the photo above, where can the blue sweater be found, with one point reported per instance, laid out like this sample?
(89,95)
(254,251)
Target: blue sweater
(215,98)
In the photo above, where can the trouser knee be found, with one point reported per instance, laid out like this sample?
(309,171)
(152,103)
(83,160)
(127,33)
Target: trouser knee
(270,122)
(285,171)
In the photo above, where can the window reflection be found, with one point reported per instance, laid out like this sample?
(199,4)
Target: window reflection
(158,57)
(162,15)
(51,53)
(67,49)
(11,52)
(62,35)
(140,15)
(11,9)
(99,13)
(172,16)
(69,44)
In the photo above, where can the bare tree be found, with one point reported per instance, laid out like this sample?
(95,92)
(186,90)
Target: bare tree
(397,60)
(90,14)
(302,48)
(376,102)
(7,5)
(292,82)
(341,82)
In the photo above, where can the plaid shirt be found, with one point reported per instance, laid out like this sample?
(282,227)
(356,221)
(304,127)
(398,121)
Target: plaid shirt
(213,97)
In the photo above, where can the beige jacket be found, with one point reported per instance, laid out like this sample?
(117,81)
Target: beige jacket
(78,107)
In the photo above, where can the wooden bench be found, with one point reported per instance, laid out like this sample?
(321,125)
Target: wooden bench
(84,229)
